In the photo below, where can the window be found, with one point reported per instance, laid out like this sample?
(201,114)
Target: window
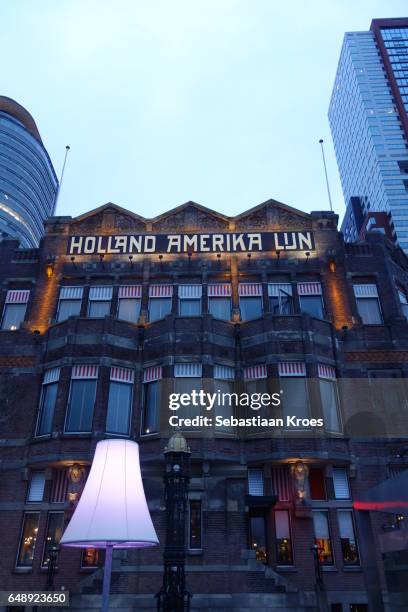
(255,481)
(47,402)
(280,298)
(99,302)
(310,299)
(368,304)
(404,303)
(322,536)
(28,539)
(257,537)
(195,525)
(55,527)
(341,483)
(36,487)
(190,300)
(129,302)
(316,484)
(159,301)
(250,300)
(329,398)
(81,399)
(150,412)
(284,553)
(69,302)
(224,383)
(348,537)
(187,378)
(14,309)
(219,301)
(90,558)
(119,401)
(294,391)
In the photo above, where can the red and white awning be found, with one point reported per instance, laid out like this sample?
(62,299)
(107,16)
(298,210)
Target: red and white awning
(188,370)
(125,375)
(219,290)
(365,291)
(326,371)
(71,293)
(255,372)
(250,289)
(190,291)
(51,376)
(223,372)
(160,291)
(84,371)
(292,368)
(17,296)
(130,291)
(309,288)
(101,293)
(152,373)
(279,289)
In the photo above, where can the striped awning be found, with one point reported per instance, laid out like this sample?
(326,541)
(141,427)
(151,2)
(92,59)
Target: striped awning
(223,372)
(326,371)
(122,374)
(292,368)
(280,483)
(365,291)
(130,291)
(190,291)
(219,290)
(59,487)
(51,376)
(188,370)
(279,289)
(159,291)
(309,288)
(84,371)
(100,293)
(152,373)
(250,289)
(17,296)
(71,293)
(255,372)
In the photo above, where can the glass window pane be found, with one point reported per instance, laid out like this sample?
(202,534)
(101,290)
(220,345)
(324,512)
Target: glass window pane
(129,309)
(47,407)
(220,307)
(348,537)
(251,308)
(98,309)
(150,421)
(119,408)
(322,536)
(282,304)
(224,409)
(329,397)
(68,308)
(294,397)
(159,308)
(55,528)
(284,554)
(195,525)
(258,537)
(313,305)
(189,308)
(81,406)
(369,311)
(13,316)
(28,539)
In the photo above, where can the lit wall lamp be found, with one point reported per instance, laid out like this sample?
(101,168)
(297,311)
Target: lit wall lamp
(49,267)
(332,265)
(300,473)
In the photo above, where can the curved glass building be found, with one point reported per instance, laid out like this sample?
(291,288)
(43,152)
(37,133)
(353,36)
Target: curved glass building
(28,183)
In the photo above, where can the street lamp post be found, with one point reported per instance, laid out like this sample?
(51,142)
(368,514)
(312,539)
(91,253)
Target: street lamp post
(173,595)
(52,564)
(320,592)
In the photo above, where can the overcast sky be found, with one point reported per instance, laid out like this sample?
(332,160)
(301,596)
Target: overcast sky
(221,102)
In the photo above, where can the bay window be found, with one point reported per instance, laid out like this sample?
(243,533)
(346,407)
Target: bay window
(368,304)
(81,399)
(188,378)
(69,302)
(14,310)
(151,402)
(219,301)
(129,301)
(190,300)
(160,297)
(294,391)
(119,401)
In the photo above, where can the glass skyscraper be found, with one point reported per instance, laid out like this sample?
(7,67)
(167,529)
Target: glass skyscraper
(369,124)
(28,183)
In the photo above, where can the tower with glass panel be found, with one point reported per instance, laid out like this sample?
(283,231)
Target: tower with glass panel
(28,183)
(369,124)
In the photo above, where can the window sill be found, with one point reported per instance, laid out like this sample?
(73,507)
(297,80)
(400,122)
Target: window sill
(286,568)
(329,568)
(23,570)
(351,568)
(194,552)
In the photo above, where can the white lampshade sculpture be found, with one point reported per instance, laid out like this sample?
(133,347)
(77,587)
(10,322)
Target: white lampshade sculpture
(112,511)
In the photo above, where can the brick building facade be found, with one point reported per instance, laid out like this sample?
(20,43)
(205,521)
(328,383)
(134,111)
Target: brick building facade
(92,342)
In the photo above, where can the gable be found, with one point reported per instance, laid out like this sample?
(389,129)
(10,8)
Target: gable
(273,215)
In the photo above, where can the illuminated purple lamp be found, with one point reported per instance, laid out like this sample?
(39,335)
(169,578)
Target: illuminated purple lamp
(112,511)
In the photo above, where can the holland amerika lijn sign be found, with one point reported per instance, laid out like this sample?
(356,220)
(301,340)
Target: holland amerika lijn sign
(130,244)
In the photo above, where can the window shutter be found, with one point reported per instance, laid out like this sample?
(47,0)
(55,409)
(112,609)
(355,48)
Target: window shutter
(365,291)
(341,484)
(37,485)
(188,370)
(255,481)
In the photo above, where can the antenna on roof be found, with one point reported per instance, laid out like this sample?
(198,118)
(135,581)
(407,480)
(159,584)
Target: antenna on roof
(325,173)
(67,148)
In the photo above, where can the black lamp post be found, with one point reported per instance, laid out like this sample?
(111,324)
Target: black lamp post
(52,564)
(173,596)
(320,592)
